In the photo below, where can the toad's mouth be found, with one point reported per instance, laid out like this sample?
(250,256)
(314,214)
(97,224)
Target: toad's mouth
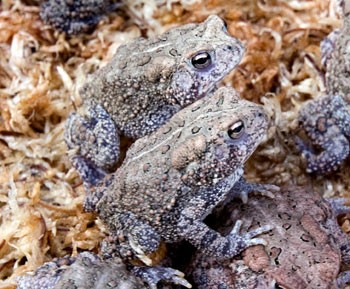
(211,88)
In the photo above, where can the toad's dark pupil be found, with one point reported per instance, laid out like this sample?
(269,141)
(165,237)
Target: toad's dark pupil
(201,60)
(236,130)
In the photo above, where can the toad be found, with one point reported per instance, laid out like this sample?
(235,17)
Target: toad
(143,86)
(326,119)
(304,250)
(172,179)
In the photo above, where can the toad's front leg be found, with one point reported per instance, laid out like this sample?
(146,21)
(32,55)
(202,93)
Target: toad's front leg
(326,123)
(335,151)
(94,140)
(192,228)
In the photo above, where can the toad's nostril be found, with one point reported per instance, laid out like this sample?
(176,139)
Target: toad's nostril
(225,25)
(229,47)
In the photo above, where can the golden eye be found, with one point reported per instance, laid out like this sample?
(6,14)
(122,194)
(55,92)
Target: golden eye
(236,130)
(201,60)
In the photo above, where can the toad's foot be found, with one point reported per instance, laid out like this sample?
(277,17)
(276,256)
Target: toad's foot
(248,239)
(153,275)
(339,205)
(94,140)
(343,279)
(235,242)
(336,150)
(243,188)
(325,121)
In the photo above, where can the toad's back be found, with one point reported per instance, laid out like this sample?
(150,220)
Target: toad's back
(163,171)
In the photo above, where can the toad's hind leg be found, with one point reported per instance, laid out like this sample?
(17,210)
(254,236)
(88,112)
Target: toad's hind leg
(134,238)
(138,239)
(94,141)
(342,280)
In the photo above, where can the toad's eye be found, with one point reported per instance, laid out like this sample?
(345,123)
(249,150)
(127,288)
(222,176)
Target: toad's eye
(236,130)
(201,60)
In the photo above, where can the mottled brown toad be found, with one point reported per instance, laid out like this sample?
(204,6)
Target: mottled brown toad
(172,179)
(304,249)
(146,82)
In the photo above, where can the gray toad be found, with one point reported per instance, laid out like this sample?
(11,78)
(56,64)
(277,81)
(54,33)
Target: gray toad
(326,119)
(147,82)
(76,16)
(172,179)
(89,271)
(86,270)
(336,56)
(305,248)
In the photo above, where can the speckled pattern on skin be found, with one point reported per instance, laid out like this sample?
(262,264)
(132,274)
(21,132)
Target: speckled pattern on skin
(336,57)
(326,119)
(86,271)
(146,82)
(74,17)
(304,249)
(172,179)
